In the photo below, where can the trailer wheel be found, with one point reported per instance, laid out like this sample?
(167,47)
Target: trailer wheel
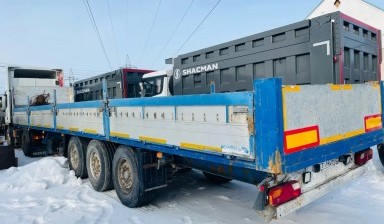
(380,150)
(99,165)
(26,143)
(127,179)
(216,179)
(76,156)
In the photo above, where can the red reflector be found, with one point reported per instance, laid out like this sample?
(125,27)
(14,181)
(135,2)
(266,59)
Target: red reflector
(363,156)
(284,192)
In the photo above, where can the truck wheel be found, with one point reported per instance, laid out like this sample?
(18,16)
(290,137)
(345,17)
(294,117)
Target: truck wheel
(99,165)
(26,143)
(127,179)
(76,156)
(216,179)
(380,150)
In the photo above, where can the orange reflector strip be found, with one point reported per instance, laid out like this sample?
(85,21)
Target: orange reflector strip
(291,88)
(341,87)
(372,122)
(299,139)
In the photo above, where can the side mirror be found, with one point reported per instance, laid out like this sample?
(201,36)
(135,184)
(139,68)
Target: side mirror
(3,102)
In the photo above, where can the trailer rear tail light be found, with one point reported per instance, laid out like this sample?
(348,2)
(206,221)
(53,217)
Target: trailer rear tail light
(284,192)
(363,156)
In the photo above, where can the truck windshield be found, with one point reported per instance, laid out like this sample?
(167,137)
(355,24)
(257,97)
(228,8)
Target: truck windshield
(153,86)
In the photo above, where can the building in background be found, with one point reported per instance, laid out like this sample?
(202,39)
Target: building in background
(358,9)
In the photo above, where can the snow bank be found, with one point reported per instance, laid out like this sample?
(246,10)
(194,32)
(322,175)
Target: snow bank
(45,191)
(36,177)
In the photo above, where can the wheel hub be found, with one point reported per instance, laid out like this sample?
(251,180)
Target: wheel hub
(74,157)
(125,176)
(95,165)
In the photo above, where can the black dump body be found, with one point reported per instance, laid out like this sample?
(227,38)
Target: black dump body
(121,83)
(332,48)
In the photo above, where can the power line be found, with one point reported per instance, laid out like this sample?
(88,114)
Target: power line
(174,31)
(113,32)
(150,32)
(90,14)
(194,31)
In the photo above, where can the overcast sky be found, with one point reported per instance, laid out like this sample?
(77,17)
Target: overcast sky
(59,33)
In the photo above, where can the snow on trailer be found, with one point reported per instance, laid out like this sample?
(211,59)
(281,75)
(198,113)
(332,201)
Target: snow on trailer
(264,137)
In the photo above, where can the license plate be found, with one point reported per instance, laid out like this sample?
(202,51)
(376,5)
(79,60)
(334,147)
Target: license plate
(328,164)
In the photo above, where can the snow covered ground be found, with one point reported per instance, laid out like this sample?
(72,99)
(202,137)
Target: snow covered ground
(42,190)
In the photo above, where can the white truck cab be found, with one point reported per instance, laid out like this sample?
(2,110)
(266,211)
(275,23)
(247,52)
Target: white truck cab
(156,84)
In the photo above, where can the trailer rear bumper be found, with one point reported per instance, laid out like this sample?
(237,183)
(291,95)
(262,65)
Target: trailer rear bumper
(315,193)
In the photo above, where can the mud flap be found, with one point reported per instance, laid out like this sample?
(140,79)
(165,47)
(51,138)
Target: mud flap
(380,151)
(153,175)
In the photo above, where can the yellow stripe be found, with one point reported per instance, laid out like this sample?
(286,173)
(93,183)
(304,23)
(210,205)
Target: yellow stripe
(73,129)
(335,138)
(373,122)
(60,127)
(119,134)
(291,88)
(375,86)
(90,131)
(151,139)
(285,122)
(199,147)
(341,87)
(46,126)
(300,139)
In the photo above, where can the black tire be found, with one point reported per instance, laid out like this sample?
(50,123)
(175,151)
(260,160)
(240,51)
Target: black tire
(26,143)
(216,179)
(380,151)
(76,156)
(125,172)
(99,165)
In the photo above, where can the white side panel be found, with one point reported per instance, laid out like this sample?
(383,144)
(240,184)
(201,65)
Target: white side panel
(41,118)
(88,120)
(20,118)
(63,94)
(194,127)
(28,82)
(337,110)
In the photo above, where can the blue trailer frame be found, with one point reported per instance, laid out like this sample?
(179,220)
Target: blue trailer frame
(264,105)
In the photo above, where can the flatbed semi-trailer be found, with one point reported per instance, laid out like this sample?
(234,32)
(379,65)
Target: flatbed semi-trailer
(294,143)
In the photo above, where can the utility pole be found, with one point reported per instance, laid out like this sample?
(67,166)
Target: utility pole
(70,78)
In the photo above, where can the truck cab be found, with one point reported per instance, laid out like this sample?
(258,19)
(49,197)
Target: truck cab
(23,85)
(23,82)
(155,84)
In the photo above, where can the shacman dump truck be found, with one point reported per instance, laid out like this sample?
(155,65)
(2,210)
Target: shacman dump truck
(294,143)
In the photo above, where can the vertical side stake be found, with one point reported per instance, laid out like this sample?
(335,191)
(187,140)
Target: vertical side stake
(106,112)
